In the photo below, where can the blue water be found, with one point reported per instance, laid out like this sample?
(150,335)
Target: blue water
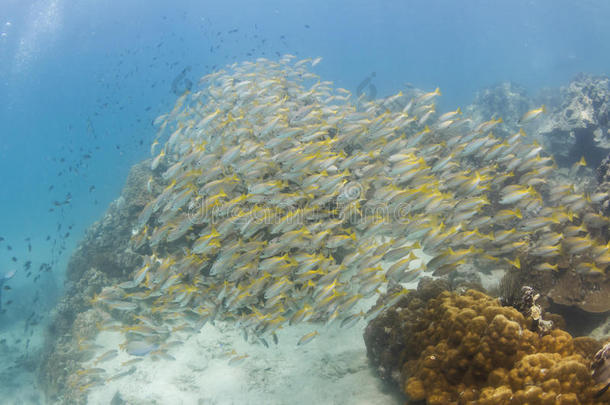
(81,81)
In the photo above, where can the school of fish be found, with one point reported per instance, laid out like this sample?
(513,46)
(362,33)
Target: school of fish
(286,201)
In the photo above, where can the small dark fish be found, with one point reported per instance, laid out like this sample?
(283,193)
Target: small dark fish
(92,188)
(14,259)
(7,287)
(9,247)
(307,26)
(9,302)
(1,238)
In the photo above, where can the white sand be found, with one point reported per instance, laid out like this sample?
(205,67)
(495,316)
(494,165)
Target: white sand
(331,369)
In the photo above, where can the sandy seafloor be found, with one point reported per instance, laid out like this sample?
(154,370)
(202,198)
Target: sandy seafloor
(331,369)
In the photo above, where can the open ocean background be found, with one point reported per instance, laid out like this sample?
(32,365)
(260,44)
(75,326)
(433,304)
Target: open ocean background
(82,80)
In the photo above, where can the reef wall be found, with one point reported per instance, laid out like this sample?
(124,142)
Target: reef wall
(102,258)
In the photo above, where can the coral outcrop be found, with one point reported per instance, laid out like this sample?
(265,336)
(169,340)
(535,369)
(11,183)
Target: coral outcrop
(582,299)
(102,258)
(601,368)
(105,245)
(603,184)
(470,349)
(389,337)
(580,125)
(506,100)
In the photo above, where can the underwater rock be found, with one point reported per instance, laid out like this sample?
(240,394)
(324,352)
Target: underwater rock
(388,337)
(529,307)
(105,243)
(573,290)
(579,126)
(583,300)
(603,185)
(506,100)
(468,348)
(603,171)
(602,331)
(601,368)
(102,258)
(63,356)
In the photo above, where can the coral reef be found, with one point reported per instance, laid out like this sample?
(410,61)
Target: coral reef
(603,185)
(589,295)
(102,258)
(579,126)
(390,337)
(506,100)
(276,199)
(601,368)
(575,125)
(584,301)
(106,243)
(602,330)
(470,349)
